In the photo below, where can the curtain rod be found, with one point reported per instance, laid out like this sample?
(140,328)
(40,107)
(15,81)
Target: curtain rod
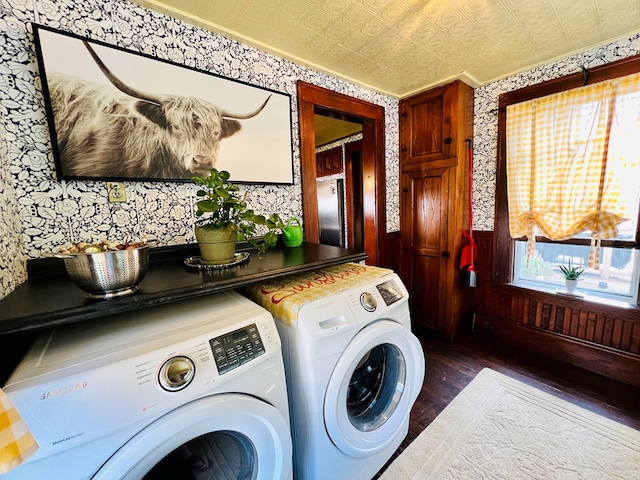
(585,81)
(585,75)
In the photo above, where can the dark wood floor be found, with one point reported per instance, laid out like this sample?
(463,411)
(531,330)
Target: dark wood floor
(450,366)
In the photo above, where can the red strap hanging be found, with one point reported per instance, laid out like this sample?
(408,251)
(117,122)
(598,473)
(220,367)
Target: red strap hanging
(470,252)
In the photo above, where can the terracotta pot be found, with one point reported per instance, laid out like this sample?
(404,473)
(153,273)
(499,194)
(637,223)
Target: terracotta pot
(217,245)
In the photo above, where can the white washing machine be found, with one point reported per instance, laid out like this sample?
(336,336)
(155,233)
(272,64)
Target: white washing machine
(188,390)
(354,369)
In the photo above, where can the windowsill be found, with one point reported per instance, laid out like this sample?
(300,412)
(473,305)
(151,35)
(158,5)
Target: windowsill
(579,295)
(597,305)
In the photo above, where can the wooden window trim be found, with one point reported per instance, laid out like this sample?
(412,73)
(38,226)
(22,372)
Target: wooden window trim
(503,243)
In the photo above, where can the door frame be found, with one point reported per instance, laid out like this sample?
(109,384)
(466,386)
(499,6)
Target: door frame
(371,116)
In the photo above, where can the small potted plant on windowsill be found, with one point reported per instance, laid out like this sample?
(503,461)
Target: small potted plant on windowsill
(571,276)
(224,218)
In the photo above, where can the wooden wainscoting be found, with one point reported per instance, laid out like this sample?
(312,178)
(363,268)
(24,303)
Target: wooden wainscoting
(391,257)
(598,338)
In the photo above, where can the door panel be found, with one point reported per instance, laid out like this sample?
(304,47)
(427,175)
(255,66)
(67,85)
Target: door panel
(427,117)
(434,127)
(426,131)
(427,297)
(425,231)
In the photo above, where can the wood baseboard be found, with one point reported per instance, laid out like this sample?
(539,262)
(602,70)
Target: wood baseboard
(621,366)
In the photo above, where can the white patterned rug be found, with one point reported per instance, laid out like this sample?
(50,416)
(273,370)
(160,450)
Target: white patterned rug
(500,428)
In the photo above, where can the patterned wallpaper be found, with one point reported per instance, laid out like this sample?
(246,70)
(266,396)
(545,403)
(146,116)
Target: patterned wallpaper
(485,137)
(37,212)
(12,272)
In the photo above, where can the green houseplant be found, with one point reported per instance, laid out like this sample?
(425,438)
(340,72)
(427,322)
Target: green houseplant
(571,276)
(224,218)
(570,272)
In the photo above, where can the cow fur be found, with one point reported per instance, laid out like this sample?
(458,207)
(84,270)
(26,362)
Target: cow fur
(104,133)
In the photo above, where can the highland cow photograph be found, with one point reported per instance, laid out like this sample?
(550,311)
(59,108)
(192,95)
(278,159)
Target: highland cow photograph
(119,115)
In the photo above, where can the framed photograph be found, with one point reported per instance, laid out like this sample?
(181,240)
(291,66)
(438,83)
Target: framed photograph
(120,115)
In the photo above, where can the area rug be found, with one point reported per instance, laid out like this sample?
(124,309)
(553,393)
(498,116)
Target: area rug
(500,428)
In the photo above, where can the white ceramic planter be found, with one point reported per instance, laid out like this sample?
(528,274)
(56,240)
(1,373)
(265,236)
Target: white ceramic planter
(571,285)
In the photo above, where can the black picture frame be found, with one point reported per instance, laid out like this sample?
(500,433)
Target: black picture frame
(156,120)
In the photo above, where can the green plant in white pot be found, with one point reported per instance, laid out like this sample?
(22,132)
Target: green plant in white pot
(224,218)
(571,276)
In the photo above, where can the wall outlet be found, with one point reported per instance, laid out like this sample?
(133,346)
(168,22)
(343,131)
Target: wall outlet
(116,192)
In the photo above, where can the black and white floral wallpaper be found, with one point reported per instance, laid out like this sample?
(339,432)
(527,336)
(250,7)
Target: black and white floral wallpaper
(485,125)
(37,212)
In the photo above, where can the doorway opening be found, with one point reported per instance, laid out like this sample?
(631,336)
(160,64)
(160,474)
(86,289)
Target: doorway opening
(339,180)
(313,99)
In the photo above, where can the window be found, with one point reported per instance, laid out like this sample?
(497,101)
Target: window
(568,166)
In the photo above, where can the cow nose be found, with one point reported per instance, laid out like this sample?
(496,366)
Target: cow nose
(201,160)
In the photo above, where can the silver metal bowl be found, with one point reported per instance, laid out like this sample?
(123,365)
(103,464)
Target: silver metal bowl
(107,274)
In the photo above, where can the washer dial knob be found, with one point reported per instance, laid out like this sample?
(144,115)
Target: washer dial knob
(176,373)
(368,302)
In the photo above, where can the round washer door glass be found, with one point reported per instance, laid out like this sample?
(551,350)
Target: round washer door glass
(225,436)
(376,387)
(372,389)
(220,455)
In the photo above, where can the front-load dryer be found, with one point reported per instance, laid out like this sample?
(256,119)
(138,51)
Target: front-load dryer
(354,369)
(190,390)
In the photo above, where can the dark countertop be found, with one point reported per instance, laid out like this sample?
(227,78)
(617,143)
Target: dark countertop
(50,298)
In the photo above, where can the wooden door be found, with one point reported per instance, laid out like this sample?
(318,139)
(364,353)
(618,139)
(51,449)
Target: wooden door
(427,132)
(354,180)
(426,257)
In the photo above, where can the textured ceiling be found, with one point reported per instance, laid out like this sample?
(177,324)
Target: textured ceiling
(331,129)
(400,47)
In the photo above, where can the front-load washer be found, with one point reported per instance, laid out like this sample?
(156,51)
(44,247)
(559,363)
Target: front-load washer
(189,390)
(354,369)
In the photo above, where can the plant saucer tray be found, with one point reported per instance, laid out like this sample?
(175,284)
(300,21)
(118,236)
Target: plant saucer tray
(199,264)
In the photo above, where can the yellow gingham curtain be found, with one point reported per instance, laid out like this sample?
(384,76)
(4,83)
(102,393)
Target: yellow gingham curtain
(563,174)
(16,442)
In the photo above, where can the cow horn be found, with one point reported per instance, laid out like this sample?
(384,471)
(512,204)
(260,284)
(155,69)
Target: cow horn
(244,116)
(117,82)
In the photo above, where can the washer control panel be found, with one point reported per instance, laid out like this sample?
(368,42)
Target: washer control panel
(390,292)
(236,348)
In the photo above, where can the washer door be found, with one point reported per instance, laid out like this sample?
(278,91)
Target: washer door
(226,436)
(372,389)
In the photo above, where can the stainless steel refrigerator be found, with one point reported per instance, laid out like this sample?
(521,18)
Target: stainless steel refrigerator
(331,212)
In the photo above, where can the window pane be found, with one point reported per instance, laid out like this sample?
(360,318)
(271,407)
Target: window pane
(617,278)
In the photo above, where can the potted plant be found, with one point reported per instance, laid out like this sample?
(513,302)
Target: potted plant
(571,276)
(223,219)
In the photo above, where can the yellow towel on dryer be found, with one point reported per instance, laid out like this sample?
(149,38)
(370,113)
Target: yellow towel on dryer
(284,297)
(16,442)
